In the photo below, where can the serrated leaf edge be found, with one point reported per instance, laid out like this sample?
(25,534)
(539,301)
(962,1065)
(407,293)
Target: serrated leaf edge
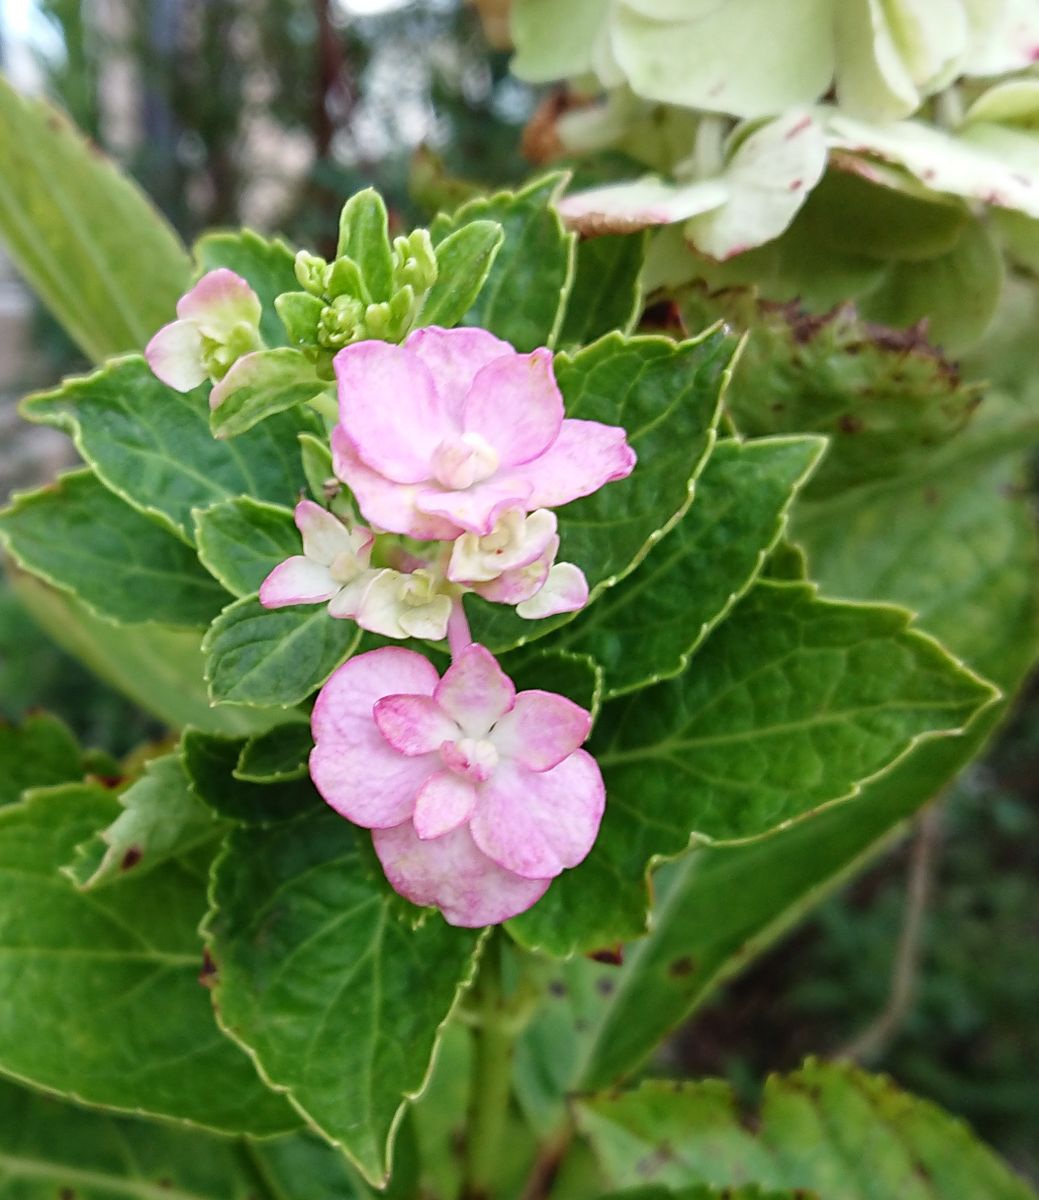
(16,498)
(380,1176)
(708,627)
(197,514)
(219,701)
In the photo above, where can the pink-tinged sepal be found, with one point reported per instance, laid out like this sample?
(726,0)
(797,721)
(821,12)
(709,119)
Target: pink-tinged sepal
(541,729)
(564,589)
(298,580)
(537,823)
(414,724)
(516,541)
(475,691)
(585,457)
(218,322)
(333,567)
(443,803)
(452,874)
(175,356)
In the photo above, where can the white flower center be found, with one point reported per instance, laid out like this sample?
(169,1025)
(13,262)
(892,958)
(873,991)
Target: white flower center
(461,461)
(345,567)
(472,758)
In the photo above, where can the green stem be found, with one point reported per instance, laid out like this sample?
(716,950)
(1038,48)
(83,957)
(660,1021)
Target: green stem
(494,1032)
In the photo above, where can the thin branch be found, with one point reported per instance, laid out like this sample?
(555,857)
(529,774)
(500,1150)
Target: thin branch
(871,1042)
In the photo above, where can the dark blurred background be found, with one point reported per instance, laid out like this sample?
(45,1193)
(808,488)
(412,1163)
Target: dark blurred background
(270,113)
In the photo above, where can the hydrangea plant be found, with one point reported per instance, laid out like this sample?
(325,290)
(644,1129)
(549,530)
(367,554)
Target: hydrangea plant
(507,711)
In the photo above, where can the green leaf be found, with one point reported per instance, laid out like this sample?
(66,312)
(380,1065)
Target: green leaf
(525,293)
(265,382)
(317,465)
(159,668)
(955,293)
(464,260)
(53,1150)
(38,752)
(303,1166)
(140,1035)
(668,397)
(956,543)
(884,399)
(576,676)
(267,265)
(75,534)
(794,703)
(161,819)
(274,657)
(720,906)
(241,540)
(364,238)
(321,975)
(851,215)
(605,294)
(210,763)
(152,446)
(648,627)
(80,230)
(681,1135)
(703,1191)
(280,754)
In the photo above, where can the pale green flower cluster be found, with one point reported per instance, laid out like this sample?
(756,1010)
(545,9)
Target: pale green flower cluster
(744,108)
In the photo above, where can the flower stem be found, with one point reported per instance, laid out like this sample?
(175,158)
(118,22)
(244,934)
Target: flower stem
(458,634)
(494,1031)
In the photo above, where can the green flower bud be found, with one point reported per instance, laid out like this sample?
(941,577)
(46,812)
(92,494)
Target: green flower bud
(378,320)
(312,273)
(414,261)
(344,279)
(341,322)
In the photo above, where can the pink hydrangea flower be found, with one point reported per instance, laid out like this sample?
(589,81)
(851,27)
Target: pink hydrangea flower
(335,567)
(448,431)
(218,322)
(515,564)
(477,796)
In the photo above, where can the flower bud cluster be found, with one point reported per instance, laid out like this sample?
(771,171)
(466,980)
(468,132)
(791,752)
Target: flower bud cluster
(339,305)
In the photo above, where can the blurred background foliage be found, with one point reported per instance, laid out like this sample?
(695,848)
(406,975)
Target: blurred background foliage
(269,113)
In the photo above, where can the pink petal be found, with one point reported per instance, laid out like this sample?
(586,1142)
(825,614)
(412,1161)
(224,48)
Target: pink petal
(444,802)
(585,456)
(298,580)
(564,590)
(348,602)
(516,541)
(475,691)
(325,537)
(538,823)
(390,409)
(452,874)
(352,766)
(476,508)
(519,585)
(387,505)
(414,724)
(218,302)
(175,356)
(515,404)
(541,729)
(453,357)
